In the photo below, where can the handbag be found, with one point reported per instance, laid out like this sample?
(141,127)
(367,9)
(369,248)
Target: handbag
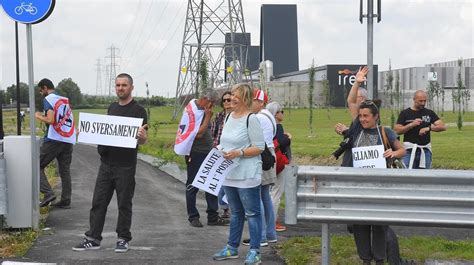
(281,158)
(391,162)
(268,160)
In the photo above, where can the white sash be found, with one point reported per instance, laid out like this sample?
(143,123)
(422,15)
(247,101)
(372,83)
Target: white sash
(62,129)
(413,146)
(188,128)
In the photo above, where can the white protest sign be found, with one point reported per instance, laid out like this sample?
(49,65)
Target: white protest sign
(212,172)
(108,130)
(369,157)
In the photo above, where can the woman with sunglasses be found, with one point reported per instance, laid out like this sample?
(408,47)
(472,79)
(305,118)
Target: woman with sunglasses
(216,131)
(284,141)
(242,141)
(371,239)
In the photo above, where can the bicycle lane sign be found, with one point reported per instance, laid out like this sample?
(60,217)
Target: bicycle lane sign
(28,11)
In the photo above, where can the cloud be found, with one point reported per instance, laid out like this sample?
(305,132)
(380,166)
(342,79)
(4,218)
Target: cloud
(68,44)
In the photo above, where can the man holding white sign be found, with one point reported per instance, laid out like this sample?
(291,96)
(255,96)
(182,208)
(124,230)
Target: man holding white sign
(109,130)
(117,168)
(194,140)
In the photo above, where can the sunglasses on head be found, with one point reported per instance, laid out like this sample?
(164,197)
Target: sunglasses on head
(367,103)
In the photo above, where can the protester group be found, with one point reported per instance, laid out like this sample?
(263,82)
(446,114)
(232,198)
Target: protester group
(248,132)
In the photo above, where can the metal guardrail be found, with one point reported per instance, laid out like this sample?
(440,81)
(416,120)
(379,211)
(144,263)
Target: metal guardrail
(422,197)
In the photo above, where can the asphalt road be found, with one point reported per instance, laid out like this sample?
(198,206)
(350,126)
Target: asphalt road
(160,229)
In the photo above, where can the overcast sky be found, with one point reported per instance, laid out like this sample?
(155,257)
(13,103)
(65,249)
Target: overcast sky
(149,35)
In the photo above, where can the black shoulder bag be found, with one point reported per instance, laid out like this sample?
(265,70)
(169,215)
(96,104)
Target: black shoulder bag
(268,160)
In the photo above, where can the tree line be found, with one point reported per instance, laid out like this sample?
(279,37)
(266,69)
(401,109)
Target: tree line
(68,88)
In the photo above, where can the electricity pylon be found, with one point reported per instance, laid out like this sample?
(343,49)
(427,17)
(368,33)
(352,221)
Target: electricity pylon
(206,26)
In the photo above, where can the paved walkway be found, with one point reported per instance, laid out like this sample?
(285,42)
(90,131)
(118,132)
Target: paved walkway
(160,230)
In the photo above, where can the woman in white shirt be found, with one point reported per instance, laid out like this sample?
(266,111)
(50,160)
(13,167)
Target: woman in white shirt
(242,141)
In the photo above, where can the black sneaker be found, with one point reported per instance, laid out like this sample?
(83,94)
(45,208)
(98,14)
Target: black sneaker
(195,223)
(87,244)
(246,242)
(219,221)
(62,204)
(47,199)
(121,246)
(225,214)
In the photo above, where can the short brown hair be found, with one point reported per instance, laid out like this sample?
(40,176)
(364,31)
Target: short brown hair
(125,75)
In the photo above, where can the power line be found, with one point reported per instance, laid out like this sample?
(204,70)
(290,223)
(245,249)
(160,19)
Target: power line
(140,34)
(161,51)
(154,54)
(127,37)
(155,27)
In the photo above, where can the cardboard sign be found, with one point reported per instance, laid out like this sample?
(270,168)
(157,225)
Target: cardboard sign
(108,130)
(212,172)
(369,157)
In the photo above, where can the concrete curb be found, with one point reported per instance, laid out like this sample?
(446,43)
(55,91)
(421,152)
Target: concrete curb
(169,168)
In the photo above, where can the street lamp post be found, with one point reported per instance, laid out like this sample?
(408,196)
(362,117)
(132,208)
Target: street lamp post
(370,39)
(147,101)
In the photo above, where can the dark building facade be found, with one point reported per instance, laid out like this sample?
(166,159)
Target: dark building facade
(253,58)
(340,80)
(279,37)
(241,44)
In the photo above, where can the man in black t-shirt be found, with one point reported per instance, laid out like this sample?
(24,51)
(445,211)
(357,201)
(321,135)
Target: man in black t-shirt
(116,172)
(416,124)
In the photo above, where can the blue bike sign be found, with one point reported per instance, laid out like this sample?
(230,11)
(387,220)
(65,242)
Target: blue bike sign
(28,11)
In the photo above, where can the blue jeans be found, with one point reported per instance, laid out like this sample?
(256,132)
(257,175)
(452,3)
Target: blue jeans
(416,162)
(268,215)
(244,202)
(222,204)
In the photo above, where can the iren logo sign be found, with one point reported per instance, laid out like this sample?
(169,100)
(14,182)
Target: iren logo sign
(341,77)
(346,76)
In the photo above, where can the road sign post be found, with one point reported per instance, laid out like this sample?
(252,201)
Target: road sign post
(30,12)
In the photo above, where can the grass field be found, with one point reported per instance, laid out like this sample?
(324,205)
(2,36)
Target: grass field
(307,250)
(451,149)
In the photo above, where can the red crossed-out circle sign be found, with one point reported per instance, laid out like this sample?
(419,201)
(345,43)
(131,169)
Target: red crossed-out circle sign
(183,135)
(63,122)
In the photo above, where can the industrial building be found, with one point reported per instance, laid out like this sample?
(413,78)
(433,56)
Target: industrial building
(444,73)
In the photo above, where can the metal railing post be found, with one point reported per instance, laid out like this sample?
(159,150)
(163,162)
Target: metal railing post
(291,179)
(325,245)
